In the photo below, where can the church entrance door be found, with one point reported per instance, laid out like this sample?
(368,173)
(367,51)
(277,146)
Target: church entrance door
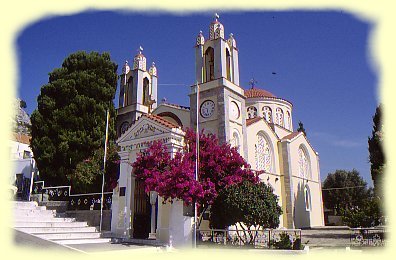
(141,217)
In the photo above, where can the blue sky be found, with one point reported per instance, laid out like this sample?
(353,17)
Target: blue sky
(321,60)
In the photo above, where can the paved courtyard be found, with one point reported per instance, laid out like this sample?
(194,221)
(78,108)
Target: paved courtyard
(316,239)
(328,238)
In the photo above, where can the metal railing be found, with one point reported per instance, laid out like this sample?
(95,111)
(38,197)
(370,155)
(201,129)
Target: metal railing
(87,201)
(261,238)
(369,237)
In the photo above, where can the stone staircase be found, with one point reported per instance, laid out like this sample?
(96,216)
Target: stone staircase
(47,224)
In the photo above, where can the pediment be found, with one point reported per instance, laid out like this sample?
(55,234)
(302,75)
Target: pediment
(143,127)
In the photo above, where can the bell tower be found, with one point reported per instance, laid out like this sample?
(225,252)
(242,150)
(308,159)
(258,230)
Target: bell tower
(221,100)
(138,92)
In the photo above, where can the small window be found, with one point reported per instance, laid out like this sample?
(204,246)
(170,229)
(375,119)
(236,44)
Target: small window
(279,117)
(288,120)
(252,112)
(267,113)
(235,142)
(307,198)
(122,191)
(26,154)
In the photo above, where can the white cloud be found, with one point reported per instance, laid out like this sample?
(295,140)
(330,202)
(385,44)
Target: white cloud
(347,143)
(338,141)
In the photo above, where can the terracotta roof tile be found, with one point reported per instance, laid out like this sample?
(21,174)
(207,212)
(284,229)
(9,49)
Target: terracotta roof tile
(161,120)
(291,136)
(21,138)
(294,134)
(253,120)
(256,92)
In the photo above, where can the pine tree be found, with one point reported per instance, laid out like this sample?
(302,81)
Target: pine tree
(68,125)
(377,157)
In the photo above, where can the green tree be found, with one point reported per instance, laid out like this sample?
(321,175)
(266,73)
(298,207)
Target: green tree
(367,215)
(376,151)
(344,190)
(68,125)
(247,205)
(88,173)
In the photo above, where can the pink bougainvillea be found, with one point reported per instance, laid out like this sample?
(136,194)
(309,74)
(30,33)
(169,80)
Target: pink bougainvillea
(174,178)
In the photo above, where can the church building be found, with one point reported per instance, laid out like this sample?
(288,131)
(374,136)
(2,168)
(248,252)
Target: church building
(258,123)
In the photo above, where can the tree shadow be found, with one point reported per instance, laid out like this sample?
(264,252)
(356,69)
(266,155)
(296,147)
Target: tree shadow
(302,206)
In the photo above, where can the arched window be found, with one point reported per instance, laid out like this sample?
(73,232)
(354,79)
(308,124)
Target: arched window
(303,163)
(235,142)
(279,117)
(228,64)
(129,92)
(263,154)
(267,113)
(209,64)
(171,117)
(121,99)
(251,112)
(287,120)
(146,85)
(307,198)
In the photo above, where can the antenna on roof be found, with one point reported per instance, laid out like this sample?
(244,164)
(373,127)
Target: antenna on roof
(252,83)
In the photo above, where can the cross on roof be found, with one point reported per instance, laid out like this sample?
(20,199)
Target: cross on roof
(216,16)
(252,83)
(140,49)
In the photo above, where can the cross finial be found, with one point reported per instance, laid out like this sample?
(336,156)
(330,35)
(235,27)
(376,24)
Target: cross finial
(216,16)
(231,35)
(140,49)
(252,83)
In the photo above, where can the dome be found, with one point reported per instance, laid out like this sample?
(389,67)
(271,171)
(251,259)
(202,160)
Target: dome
(139,61)
(200,39)
(216,29)
(258,93)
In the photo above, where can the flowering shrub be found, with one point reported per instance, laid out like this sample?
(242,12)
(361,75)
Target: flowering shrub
(174,178)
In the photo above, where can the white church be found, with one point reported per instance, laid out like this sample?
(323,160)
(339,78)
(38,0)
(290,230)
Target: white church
(255,121)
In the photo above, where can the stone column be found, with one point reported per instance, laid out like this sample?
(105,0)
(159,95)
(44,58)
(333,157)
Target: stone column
(153,200)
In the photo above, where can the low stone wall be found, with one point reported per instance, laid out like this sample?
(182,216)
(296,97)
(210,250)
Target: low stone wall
(92,217)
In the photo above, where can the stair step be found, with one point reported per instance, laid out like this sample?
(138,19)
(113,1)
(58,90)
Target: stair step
(83,241)
(74,235)
(38,213)
(49,224)
(24,204)
(58,230)
(17,208)
(43,219)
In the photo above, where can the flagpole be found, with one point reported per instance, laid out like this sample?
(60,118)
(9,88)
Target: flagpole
(196,167)
(104,167)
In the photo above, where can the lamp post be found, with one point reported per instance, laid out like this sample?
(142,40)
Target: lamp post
(153,200)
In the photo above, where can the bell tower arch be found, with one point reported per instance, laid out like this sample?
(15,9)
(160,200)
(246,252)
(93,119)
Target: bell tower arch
(138,92)
(221,99)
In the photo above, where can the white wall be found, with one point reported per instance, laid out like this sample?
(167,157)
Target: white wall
(302,217)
